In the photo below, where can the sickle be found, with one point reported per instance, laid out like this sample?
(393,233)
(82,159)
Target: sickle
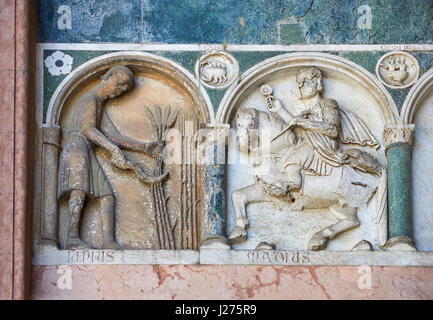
(144,174)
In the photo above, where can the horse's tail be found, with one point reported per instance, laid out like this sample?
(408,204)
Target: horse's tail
(381,213)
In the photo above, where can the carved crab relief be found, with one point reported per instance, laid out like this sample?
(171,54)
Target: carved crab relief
(397,70)
(217,70)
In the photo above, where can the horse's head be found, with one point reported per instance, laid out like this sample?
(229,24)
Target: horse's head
(247,124)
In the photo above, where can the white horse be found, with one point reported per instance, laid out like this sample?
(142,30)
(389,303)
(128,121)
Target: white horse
(343,191)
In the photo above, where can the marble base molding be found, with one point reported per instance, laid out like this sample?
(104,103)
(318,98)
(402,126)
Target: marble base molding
(53,256)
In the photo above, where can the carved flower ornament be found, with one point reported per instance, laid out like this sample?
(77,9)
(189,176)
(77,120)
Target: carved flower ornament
(266,90)
(59,63)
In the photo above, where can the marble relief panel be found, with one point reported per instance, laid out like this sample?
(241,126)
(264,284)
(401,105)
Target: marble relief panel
(303,168)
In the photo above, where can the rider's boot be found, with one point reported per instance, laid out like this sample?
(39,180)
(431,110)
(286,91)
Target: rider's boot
(293,174)
(293,188)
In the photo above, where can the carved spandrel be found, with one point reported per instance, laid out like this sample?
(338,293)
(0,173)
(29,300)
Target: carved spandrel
(398,70)
(217,70)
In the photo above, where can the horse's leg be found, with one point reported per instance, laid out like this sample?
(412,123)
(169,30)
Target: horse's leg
(240,199)
(347,220)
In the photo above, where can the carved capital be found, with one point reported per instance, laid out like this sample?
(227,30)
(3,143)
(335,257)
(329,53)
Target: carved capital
(51,135)
(394,133)
(216,134)
(213,146)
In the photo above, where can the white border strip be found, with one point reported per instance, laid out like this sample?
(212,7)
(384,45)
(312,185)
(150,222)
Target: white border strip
(316,258)
(234,47)
(49,255)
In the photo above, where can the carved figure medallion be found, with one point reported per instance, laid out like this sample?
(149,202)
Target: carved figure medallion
(217,70)
(397,70)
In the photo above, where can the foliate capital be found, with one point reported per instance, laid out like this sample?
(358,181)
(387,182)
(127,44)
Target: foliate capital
(395,133)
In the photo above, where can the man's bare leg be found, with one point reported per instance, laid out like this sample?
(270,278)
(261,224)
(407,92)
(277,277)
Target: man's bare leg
(241,198)
(294,177)
(107,208)
(76,204)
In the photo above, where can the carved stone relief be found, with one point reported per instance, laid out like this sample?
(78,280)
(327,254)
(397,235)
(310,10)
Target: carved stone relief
(217,70)
(293,165)
(397,69)
(125,163)
(310,171)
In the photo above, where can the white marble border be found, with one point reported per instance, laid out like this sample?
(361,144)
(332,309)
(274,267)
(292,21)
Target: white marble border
(415,96)
(316,258)
(49,255)
(234,47)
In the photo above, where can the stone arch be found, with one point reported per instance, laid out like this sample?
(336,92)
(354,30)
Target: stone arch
(417,109)
(134,59)
(292,62)
(416,95)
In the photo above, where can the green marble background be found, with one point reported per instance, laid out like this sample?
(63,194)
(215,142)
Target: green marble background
(238,21)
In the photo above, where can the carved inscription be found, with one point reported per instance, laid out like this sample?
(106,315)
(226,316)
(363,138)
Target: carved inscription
(278,257)
(90,256)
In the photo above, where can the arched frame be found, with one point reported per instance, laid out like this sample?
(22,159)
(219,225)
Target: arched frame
(255,75)
(137,59)
(415,96)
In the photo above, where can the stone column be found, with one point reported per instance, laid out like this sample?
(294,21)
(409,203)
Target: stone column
(50,153)
(398,140)
(214,190)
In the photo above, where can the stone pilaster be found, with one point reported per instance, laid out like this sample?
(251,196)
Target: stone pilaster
(214,235)
(51,148)
(398,140)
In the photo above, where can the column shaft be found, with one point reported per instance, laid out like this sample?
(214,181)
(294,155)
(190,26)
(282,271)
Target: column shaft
(399,190)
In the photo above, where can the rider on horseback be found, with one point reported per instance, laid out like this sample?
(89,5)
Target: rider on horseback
(318,132)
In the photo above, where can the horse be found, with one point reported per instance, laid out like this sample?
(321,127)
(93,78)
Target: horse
(343,191)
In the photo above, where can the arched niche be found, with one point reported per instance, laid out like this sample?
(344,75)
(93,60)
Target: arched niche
(354,88)
(158,82)
(418,109)
(334,68)
(138,62)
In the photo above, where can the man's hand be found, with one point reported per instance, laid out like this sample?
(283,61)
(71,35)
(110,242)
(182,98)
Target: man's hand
(302,118)
(118,159)
(157,148)
(273,105)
